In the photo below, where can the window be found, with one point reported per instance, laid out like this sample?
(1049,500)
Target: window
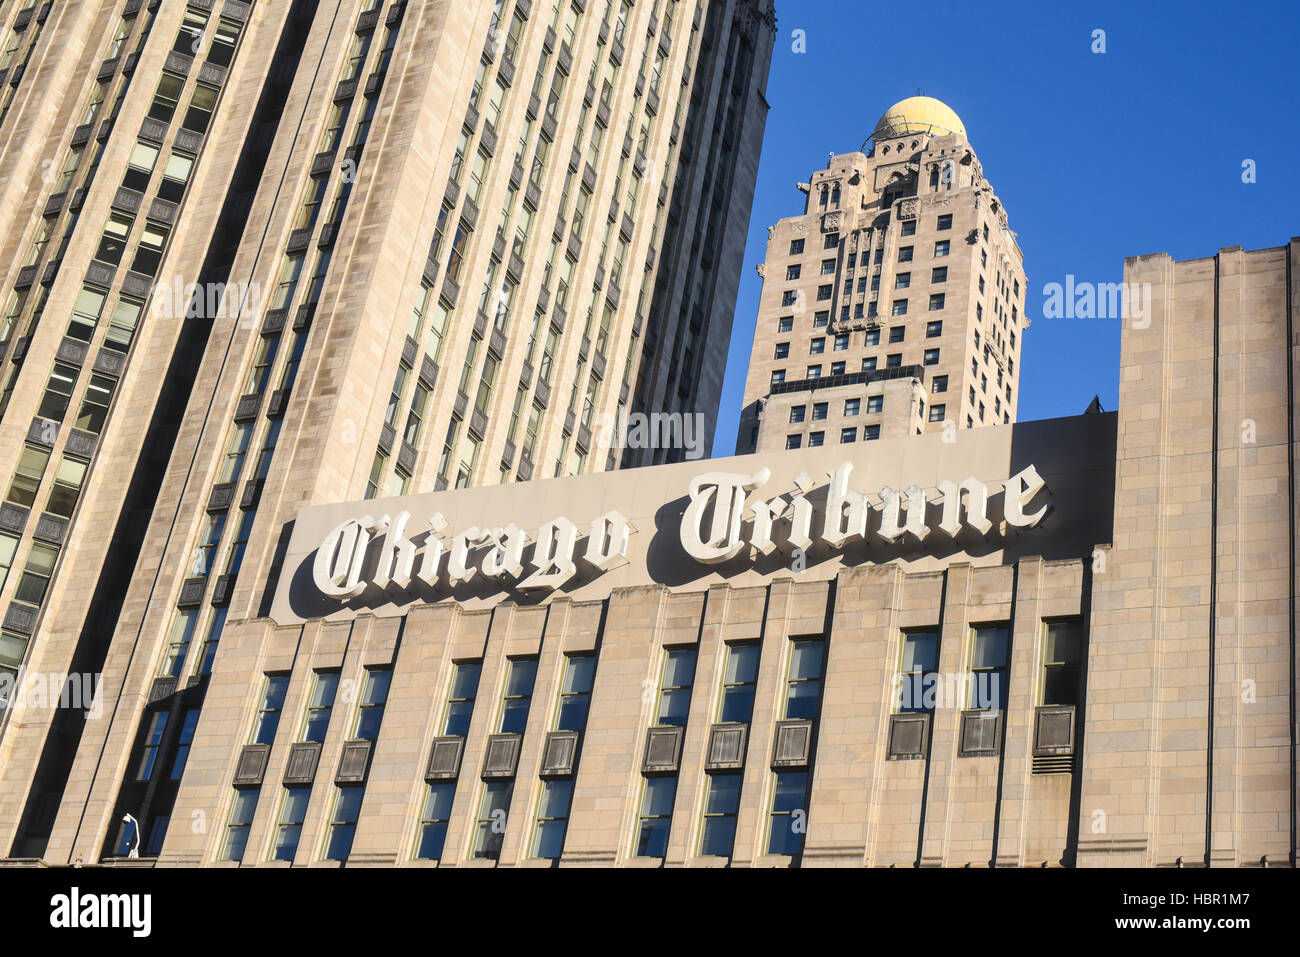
(871,432)
(518,696)
(931,357)
(852,406)
(789,798)
(869,364)
(675,690)
(841,341)
(433,820)
(121,326)
(140,166)
(148,252)
(222,50)
(804,678)
(793,441)
(175,175)
(343,822)
(552,818)
(656,815)
(796,247)
(191,32)
(816,439)
(166,96)
(939,274)
(832,241)
(908,228)
(149,745)
(903,280)
(828,267)
(373,699)
(1062,653)
(113,241)
(894,361)
(820,319)
(897,333)
(575,693)
(490,826)
(58,389)
(934,329)
(320,705)
(917,666)
(945,221)
(178,643)
(824,292)
(873,337)
(790,297)
(814,372)
(36,574)
(990,646)
(738,682)
(936,301)
(941,248)
(720,809)
(785,324)
(905,254)
(239,824)
(8,546)
(202,103)
(782,351)
(848,435)
(184,742)
(938,412)
(899,308)
(460,699)
(778,377)
(209,650)
(268,715)
(875,403)
(792,272)
(289,829)
(819,410)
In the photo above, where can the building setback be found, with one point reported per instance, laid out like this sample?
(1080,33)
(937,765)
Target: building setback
(354,250)
(895,304)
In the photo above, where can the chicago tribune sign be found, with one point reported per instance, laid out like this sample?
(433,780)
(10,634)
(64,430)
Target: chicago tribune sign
(719,523)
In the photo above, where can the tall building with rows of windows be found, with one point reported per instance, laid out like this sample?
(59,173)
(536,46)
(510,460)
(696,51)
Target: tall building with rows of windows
(895,304)
(263,255)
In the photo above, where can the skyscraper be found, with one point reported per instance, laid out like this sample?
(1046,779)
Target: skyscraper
(269,255)
(895,303)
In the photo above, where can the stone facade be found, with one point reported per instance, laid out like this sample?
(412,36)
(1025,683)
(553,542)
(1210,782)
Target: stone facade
(462,235)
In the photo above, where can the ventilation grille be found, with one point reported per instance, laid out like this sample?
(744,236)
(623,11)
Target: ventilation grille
(1062,764)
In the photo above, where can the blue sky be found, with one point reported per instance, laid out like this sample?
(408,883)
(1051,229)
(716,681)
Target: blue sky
(1097,157)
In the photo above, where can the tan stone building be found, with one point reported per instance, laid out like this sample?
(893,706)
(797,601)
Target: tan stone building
(1069,641)
(265,255)
(895,303)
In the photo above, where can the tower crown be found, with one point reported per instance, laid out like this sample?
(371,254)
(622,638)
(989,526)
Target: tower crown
(918,114)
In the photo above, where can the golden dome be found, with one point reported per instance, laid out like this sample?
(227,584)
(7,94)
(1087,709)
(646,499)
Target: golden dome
(918,114)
